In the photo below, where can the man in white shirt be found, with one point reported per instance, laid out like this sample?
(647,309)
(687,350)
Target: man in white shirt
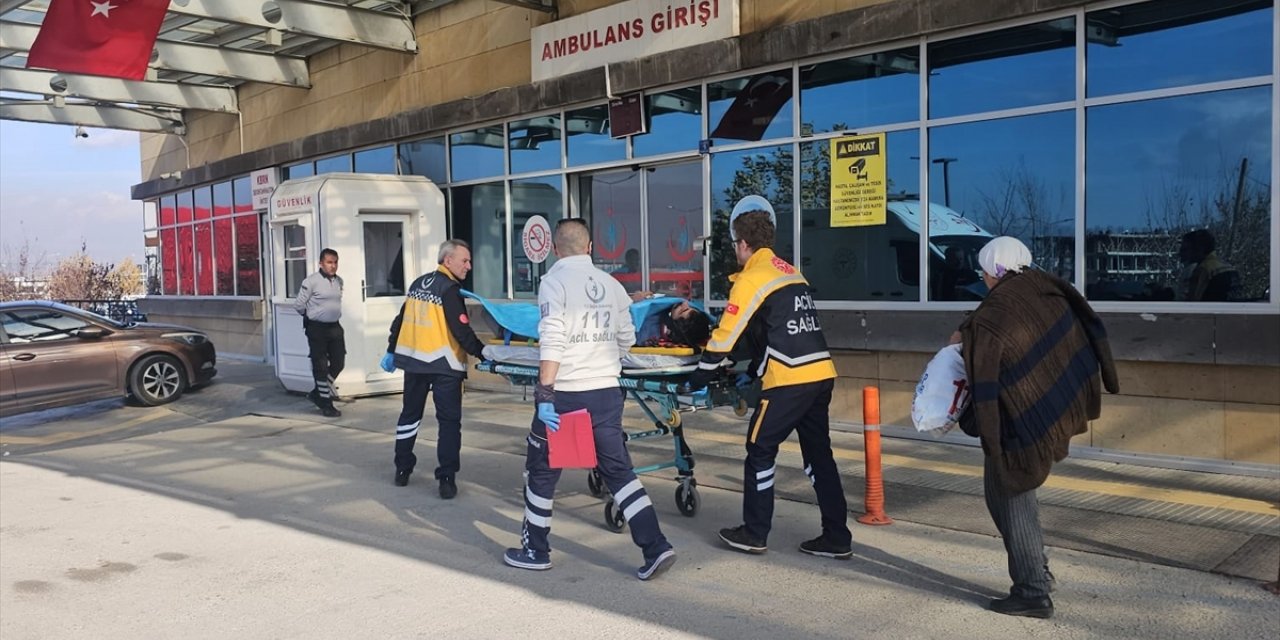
(584,331)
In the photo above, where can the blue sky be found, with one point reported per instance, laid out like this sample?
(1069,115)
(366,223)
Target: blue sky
(57,191)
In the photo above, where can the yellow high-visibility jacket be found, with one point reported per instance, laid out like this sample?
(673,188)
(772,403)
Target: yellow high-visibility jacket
(771,313)
(433,334)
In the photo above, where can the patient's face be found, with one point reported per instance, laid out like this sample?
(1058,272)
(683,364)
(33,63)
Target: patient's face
(682,311)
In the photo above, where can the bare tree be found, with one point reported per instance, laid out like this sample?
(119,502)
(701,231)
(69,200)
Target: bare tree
(20,272)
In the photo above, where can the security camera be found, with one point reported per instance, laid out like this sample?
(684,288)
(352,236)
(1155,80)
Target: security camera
(81,133)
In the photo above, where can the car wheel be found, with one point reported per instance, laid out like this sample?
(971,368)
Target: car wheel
(157,379)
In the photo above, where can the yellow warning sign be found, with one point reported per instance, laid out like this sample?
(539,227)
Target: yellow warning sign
(859,187)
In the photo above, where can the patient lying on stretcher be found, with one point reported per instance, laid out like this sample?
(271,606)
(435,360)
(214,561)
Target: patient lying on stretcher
(673,322)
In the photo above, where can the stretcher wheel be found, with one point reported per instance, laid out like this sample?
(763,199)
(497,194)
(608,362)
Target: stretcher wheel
(613,517)
(687,500)
(673,418)
(595,484)
(740,409)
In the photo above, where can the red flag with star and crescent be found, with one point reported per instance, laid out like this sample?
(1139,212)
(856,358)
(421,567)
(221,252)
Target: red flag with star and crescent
(102,38)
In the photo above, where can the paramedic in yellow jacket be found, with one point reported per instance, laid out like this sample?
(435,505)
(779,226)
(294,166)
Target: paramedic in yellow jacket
(430,340)
(771,317)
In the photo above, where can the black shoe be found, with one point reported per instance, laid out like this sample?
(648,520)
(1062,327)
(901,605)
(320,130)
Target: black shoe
(1026,607)
(402,478)
(448,488)
(329,411)
(657,566)
(820,546)
(739,538)
(1053,582)
(314,396)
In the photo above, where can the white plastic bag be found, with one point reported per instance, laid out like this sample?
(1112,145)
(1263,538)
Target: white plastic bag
(943,393)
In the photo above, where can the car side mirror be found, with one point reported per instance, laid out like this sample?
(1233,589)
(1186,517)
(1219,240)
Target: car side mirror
(92,333)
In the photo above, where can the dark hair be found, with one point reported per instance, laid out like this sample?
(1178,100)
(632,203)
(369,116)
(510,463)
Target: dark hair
(756,228)
(572,236)
(328,252)
(1201,239)
(693,330)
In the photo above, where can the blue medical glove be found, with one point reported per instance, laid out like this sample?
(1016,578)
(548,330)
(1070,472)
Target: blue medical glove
(547,414)
(388,362)
(743,380)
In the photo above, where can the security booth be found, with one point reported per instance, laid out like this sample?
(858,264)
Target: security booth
(386,230)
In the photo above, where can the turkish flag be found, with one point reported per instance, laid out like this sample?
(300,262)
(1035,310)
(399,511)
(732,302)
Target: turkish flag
(755,107)
(108,38)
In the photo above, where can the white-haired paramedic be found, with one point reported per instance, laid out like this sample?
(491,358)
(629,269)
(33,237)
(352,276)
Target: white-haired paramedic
(430,340)
(584,330)
(770,314)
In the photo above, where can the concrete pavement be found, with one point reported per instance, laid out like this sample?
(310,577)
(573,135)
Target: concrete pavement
(200,521)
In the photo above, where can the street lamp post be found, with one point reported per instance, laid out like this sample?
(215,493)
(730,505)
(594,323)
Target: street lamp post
(946,178)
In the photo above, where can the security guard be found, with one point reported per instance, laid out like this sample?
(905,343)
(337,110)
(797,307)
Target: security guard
(584,330)
(430,340)
(771,315)
(319,302)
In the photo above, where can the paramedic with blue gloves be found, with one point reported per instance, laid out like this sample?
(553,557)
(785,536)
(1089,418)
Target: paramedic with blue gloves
(584,330)
(430,340)
(771,315)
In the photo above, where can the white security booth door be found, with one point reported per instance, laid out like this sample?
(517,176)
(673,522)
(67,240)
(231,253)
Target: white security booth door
(380,277)
(293,260)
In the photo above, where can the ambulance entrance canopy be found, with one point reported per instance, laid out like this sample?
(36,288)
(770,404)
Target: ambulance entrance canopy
(386,230)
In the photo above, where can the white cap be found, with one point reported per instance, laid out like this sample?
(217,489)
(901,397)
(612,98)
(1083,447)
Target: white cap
(747,205)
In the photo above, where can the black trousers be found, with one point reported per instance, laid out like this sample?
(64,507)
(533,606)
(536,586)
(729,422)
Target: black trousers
(803,408)
(447,390)
(328,353)
(612,461)
(1017,517)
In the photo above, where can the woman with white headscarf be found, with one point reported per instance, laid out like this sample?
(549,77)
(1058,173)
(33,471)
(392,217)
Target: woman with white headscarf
(1036,356)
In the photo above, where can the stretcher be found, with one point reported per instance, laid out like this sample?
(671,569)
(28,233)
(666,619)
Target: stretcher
(661,394)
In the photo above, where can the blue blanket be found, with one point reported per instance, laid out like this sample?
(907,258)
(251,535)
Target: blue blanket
(519,320)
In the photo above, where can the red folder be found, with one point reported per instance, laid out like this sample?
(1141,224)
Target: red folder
(573,446)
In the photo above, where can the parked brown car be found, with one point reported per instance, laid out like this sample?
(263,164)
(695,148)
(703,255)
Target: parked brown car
(52,355)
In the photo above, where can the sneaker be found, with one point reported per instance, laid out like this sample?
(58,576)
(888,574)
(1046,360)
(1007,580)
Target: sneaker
(402,478)
(1026,607)
(523,558)
(820,546)
(739,538)
(329,411)
(448,488)
(657,566)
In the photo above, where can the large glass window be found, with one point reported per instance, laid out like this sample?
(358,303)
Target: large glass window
(610,202)
(223,241)
(1019,67)
(878,88)
(184,206)
(479,214)
(1009,177)
(186,261)
(203,210)
(675,123)
(751,108)
(1155,45)
(379,160)
(295,258)
(300,170)
(674,199)
(1193,167)
(334,164)
(425,158)
(476,154)
(535,144)
(532,197)
(588,136)
(734,175)
(168,210)
(874,262)
(248,271)
(169,260)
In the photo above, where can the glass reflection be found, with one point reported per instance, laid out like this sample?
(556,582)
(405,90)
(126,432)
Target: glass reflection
(1155,45)
(878,88)
(479,214)
(751,108)
(535,144)
(380,160)
(425,158)
(877,262)
(1020,183)
(675,123)
(610,202)
(588,137)
(765,172)
(1006,69)
(532,197)
(1158,170)
(675,222)
(300,170)
(476,154)
(334,164)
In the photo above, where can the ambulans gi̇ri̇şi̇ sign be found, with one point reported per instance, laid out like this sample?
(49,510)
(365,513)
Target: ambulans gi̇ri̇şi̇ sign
(627,31)
(859,187)
(536,239)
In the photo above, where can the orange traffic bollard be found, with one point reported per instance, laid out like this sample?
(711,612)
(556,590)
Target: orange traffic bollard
(871,446)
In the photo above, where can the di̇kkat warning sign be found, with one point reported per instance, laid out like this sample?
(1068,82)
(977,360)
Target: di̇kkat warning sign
(859,187)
